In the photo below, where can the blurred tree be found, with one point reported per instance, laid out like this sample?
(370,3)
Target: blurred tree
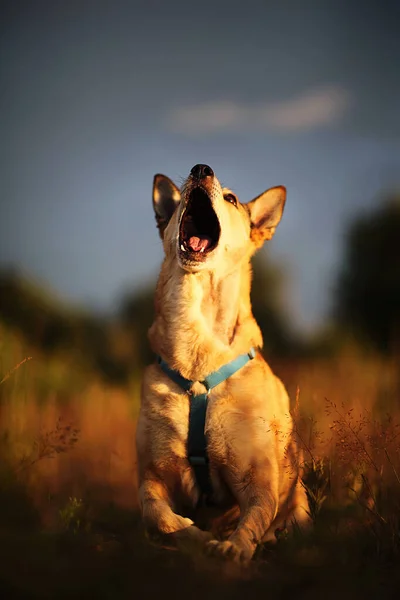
(52,326)
(116,349)
(267,298)
(42,318)
(368,288)
(136,314)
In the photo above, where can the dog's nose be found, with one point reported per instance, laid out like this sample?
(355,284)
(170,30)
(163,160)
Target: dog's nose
(201,171)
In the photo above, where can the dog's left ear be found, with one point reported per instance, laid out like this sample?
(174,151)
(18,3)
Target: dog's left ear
(166,197)
(265,213)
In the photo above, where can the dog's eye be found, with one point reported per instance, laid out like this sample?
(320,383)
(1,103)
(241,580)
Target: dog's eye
(231,198)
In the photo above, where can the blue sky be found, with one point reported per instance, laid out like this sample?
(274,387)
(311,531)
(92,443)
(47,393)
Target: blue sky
(97,96)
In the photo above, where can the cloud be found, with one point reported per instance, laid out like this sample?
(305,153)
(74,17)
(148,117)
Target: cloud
(311,109)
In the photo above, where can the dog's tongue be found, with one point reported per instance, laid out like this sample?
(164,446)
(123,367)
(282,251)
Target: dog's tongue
(199,244)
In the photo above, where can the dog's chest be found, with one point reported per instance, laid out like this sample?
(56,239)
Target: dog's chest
(170,423)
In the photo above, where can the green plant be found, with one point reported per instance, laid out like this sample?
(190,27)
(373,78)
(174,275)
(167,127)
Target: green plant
(74,516)
(316,481)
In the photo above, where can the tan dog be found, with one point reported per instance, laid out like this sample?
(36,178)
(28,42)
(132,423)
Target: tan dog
(203,320)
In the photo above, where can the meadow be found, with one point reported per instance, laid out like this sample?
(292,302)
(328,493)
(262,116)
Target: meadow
(69,523)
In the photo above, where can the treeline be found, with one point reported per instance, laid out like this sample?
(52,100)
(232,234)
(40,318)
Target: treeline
(118,347)
(365,307)
(367,292)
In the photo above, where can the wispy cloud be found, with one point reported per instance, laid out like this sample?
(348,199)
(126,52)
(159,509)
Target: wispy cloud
(309,110)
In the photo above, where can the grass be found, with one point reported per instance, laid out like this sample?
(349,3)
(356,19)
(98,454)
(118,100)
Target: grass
(68,493)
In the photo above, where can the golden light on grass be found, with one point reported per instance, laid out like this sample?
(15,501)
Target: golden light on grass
(78,441)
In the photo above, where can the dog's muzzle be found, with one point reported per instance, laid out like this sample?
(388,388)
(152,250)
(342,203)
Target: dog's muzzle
(199,228)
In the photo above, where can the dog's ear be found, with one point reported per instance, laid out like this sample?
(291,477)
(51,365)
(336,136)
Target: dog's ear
(166,197)
(265,213)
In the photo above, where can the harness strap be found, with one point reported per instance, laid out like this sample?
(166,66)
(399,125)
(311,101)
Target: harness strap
(184,383)
(197,443)
(214,378)
(217,377)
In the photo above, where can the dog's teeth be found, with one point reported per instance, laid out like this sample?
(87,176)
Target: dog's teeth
(183,248)
(201,249)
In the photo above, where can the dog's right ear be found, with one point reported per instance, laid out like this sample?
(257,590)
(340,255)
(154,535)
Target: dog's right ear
(166,197)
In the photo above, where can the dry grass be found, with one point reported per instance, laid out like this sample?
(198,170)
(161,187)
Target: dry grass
(71,445)
(70,440)
(347,416)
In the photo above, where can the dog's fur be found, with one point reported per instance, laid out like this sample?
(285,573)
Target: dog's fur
(203,320)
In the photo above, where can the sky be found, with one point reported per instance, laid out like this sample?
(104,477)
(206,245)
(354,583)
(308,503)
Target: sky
(98,96)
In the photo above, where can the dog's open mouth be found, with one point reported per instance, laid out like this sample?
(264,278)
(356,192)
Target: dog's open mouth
(199,229)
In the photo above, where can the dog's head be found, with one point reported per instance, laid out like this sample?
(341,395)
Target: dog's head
(206,227)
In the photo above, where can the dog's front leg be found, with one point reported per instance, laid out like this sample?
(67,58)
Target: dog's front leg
(162,523)
(258,501)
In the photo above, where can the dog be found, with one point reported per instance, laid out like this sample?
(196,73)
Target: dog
(204,325)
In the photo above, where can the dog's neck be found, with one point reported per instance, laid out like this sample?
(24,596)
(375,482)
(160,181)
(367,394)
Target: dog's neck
(202,321)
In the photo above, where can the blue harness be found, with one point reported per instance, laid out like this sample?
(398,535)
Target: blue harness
(197,443)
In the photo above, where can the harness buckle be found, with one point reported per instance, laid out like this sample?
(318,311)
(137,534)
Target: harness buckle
(251,353)
(208,389)
(191,394)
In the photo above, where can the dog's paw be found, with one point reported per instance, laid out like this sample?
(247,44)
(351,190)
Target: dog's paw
(194,534)
(191,539)
(227,550)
